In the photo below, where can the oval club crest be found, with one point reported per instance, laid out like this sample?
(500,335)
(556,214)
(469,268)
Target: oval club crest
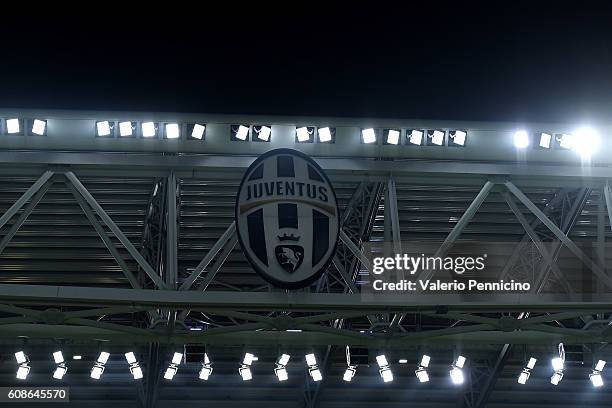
(287,218)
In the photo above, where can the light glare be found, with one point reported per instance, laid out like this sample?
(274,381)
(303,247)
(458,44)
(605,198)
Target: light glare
(39,126)
(368,135)
(12,126)
(172,131)
(325,135)
(393,136)
(521,139)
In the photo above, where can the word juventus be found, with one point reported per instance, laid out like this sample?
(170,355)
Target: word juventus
(287,188)
(412,264)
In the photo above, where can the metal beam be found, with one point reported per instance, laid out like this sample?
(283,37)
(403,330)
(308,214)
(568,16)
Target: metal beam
(601,274)
(42,180)
(171,233)
(115,229)
(608,195)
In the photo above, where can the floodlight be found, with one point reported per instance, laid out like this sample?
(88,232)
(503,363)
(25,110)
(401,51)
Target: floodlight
(349,374)
(415,137)
(457,138)
(245,373)
(596,379)
(436,137)
(77,357)
(283,359)
(566,141)
(59,372)
(241,133)
(96,372)
(205,372)
(456,375)
(386,374)
(556,378)
(198,131)
(393,137)
(531,363)
(586,141)
(206,359)
(422,375)
(460,362)
(170,372)
(403,361)
(22,372)
(281,373)
(13,126)
(21,357)
(39,127)
(545,139)
(148,129)
(521,139)
(523,377)
(315,373)
(173,131)
(104,128)
(177,358)
(103,357)
(248,359)
(425,361)
(368,136)
(311,360)
(303,134)
(600,365)
(130,358)
(126,129)
(264,133)
(382,361)
(325,135)
(58,357)
(136,372)
(557,364)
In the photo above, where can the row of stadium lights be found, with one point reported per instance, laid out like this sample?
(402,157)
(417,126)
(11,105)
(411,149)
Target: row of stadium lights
(456,370)
(584,140)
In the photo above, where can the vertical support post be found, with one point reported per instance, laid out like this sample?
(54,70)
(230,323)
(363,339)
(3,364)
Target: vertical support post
(171,233)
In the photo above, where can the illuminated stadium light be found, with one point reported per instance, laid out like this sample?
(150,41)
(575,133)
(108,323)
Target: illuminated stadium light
(425,361)
(96,372)
(457,138)
(281,373)
(126,129)
(385,370)
(422,375)
(240,132)
(349,373)
(104,128)
(13,126)
(39,127)
(403,361)
(565,140)
(524,375)
(326,134)
(381,360)
(392,136)
(177,358)
(283,359)
(103,357)
(586,141)
(304,134)
(58,357)
(368,136)
(136,372)
(22,372)
(415,137)
(545,140)
(196,131)
(263,133)
(173,130)
(248,359)
(21,357)
(435,137)
(148,129)
(456,372)
(558,364)
(77,357)
(595,376)
(170,373)
(206,370)
(521,139)
(245,372)
(315,374)
(130,358)
(311,360)
(60,372)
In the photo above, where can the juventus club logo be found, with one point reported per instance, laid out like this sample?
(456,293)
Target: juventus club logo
(287,218)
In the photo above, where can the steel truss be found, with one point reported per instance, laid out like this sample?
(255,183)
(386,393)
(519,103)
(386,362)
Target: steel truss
(162,297)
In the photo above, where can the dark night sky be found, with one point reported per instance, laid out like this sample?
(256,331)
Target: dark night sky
(515,63)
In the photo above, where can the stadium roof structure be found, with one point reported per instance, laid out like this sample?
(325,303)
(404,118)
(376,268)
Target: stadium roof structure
(120,237)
